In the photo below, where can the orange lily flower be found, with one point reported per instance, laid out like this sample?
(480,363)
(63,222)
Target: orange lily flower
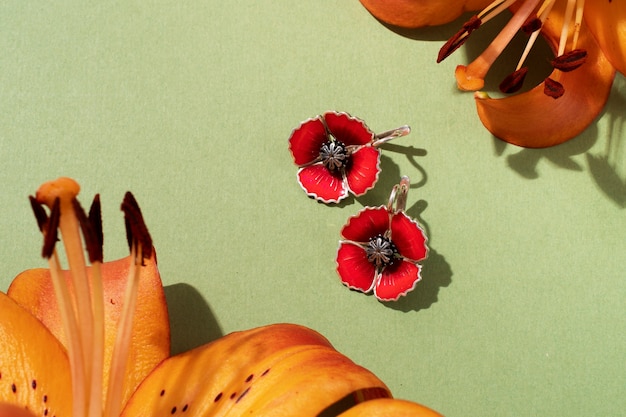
(589,42)
(94,340)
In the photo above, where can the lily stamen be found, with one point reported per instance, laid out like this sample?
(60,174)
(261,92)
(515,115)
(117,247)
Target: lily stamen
(494,9)
(471,77)
(140,244)
(91,227)
(82,309)
(76,312)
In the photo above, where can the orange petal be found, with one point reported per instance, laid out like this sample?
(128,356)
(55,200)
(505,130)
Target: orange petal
(10,410)
(34,368)
(418,13)
(277,370)
(151,339)
(385,407)
(607,21)
(535,120)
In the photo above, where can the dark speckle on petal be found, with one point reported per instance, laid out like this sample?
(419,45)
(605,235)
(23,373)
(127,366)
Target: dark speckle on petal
(243,394)
(217,397)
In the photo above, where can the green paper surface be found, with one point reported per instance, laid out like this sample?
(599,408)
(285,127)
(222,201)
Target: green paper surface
(190,104)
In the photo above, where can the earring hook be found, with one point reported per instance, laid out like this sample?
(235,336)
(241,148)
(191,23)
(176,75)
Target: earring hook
(398,195)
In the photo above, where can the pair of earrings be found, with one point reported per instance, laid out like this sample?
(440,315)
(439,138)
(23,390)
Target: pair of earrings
(381,247)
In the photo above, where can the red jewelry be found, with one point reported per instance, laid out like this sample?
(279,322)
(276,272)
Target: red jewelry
(381,248)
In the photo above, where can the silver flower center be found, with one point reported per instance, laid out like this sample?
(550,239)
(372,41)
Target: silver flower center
(381,251)
(334,155)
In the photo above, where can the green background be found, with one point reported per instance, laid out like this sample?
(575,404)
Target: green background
(190,104)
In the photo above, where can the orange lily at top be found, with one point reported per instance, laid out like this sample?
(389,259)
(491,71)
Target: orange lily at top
(587,37)
(94,341)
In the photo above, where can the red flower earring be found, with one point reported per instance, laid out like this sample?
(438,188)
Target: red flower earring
(381,249)
(337,154)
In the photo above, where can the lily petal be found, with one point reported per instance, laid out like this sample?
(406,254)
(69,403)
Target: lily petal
(355,270)
(535,120)
(33,290)
(418,13)
(385,407)
(320,183)
(10,410)
(397,280)
(277,370)
(607,21)
(40,381)
(364,170)
(368,223)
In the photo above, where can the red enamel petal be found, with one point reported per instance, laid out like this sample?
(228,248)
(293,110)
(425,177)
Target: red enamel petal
(364,170)
(408,237)
(348,129)
(306,140)
(397,280)
(366,224)
(320,183)
(353,267)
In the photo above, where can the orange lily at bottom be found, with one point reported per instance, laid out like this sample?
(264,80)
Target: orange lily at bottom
(47,367)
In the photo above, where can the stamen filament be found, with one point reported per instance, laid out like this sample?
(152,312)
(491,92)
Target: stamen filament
(70,327)
(494,9)
(472,77)
(580,5)
(97,383)
(72,242)
(123,338)
(543,12)
(567,17)
(140,244)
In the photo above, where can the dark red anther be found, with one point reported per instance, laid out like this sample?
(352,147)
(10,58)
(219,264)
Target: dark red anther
(532,24)
(92,228)
(553,88)
(51,233)
(513,82)
(571,60)
(459,38)
(136,230)
(40,213)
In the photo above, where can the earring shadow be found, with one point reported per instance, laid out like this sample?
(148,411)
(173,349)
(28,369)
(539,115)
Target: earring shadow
(436,272)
